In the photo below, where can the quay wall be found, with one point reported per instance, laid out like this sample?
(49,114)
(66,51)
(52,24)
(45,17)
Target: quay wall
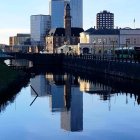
(123,69)
(88,64)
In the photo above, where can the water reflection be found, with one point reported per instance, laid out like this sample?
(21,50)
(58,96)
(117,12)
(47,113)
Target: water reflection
(19,62)
(8,96)
(65,93)
(64,96)
(68,94)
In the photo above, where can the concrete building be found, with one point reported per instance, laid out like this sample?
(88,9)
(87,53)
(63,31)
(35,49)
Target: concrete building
(20,39)
(12,40)
(40,25)
(57,37)
(105,41)
(129,37)
(105,20)
(101,41)
(20,43)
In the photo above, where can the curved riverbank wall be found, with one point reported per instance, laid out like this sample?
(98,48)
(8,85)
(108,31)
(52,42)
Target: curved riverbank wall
(126,68)
(129,70)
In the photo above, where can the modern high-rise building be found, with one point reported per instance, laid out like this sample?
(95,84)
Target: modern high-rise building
(57,13)
(40,25)
(76,13)
(56,10)
(105,20)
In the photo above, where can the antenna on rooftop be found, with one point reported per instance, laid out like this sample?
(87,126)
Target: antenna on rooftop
(134,23)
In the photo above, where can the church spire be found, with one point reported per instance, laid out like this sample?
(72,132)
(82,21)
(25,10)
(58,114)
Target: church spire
(67,23)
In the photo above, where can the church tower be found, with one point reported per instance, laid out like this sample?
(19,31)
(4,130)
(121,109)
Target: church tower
(67,23)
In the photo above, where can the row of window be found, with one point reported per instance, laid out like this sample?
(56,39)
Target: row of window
(113,41)
(105,15)
(105,20)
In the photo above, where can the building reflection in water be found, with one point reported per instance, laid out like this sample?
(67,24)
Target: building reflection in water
(66,97)
(38,83)
(105,92)
(72,116)
(19,62)
(56,91)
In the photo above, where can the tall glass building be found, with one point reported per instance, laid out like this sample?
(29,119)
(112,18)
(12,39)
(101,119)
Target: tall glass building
(57,13)
(77,13)
(39,25)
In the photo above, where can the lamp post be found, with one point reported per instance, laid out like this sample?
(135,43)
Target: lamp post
(94,43)
(94,47)
(113,46)
(103,48)
(104,41)
(127,46)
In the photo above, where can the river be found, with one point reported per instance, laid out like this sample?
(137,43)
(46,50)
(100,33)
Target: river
(69,106)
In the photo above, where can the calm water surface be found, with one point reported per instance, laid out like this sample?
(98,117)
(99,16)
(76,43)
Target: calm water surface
(65,107)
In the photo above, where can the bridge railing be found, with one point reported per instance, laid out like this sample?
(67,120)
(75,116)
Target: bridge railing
(103,58)
(90,57)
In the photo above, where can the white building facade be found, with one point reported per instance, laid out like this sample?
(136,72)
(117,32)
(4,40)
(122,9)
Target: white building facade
(106,41)
(99,41)
(129,37)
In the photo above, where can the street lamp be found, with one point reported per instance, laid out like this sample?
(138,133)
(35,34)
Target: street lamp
(127,46)
(94,43)
(94,47)
(103,47)
(113,47)
(104,40)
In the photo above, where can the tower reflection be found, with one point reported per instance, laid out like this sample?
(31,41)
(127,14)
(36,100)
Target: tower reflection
(72,116)
(65,93)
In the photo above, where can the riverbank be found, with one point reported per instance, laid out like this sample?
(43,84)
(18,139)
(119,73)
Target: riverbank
(9,77)
(11,82)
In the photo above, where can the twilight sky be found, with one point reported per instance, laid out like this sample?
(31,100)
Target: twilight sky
(15,14)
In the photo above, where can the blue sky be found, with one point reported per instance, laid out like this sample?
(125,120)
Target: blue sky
(15,14)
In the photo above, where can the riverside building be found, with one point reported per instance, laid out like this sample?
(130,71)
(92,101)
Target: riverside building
(105,41)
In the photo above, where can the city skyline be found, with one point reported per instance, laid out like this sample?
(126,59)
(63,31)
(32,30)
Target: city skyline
(16,14)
